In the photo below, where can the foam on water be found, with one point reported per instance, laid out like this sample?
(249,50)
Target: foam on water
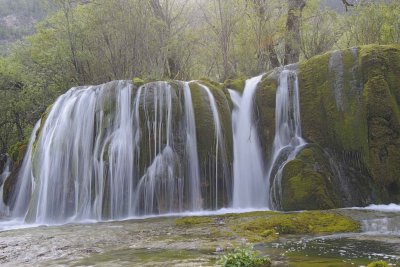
(386,208)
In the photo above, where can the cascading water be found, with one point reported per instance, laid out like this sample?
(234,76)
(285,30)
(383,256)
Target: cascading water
(113,151)
(3,176)
(250,185)
(288,141)
(220,152)
(23,189)
(192,160)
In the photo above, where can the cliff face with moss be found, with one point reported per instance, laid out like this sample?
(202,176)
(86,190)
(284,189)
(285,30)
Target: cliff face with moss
(349,102)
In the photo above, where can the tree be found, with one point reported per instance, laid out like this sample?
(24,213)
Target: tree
(222,18)
(320,29)
(371,23)
(292,41)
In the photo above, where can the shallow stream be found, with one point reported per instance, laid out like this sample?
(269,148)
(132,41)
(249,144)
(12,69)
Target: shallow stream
(160,241)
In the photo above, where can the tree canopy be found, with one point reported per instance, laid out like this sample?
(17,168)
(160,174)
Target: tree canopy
(91,42)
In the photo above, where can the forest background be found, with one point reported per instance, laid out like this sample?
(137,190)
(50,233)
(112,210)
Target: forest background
(49,46)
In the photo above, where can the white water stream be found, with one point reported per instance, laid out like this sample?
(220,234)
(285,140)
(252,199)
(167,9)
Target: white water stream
(250,184)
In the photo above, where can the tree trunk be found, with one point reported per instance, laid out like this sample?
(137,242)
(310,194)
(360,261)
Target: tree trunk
(273,57)
(292,39)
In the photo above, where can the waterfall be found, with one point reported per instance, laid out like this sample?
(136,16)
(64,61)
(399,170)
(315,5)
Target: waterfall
(192,160)
(25,183)
(220,151)
(114,151)
(163,186)
(250,186)
(288,141)
(3,176)
(336,67)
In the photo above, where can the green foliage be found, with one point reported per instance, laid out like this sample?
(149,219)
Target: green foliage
(371,23)
(378,264)
(243,257)
(92,42)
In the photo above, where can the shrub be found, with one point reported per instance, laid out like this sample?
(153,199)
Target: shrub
(243,257)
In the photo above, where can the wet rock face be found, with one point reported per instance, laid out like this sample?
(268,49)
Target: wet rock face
(309,182)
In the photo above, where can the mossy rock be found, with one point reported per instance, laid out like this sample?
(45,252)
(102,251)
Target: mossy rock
(137,82)
(264,112)
(310,222)
(236,83)
(17,151)
(381,65)
(206,141)
(308,182)
(17,154)
(349,103)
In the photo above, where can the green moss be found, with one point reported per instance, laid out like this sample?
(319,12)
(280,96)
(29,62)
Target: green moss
(17,151)
(206,141)
(137,82)
(311,222)
(195,220)
(308,183)
(381,67)
(43,119)
(264,109)
(349,102)
(378,264)
(236,84)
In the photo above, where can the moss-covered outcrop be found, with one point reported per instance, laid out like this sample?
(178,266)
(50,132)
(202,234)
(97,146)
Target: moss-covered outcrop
(236,83)
(206,142)
(350,116)
(350,106)
(264,100)
(308,182)
(16,153)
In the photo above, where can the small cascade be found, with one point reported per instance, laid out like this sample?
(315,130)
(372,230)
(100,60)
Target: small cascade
(250,186)
(336,67)
(219,172)
(171,181)
(191,154)
(6,170)
(4,211)
(288,141)
(386,226)
(25,183)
